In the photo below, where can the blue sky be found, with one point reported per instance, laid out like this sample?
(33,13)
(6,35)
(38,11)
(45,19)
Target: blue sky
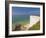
(25,11)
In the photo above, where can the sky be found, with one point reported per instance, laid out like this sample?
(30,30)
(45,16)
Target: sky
(25,11)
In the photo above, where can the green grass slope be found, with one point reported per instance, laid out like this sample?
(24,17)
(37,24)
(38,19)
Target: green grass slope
(35,26)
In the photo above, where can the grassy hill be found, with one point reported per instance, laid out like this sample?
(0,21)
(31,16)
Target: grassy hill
(35,26)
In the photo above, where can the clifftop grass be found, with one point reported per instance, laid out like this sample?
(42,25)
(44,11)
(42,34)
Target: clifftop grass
(35,26)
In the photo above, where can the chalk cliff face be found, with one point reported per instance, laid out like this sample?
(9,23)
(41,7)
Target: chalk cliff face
(34,19)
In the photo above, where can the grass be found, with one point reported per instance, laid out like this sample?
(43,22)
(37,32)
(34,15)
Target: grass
(35,26)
